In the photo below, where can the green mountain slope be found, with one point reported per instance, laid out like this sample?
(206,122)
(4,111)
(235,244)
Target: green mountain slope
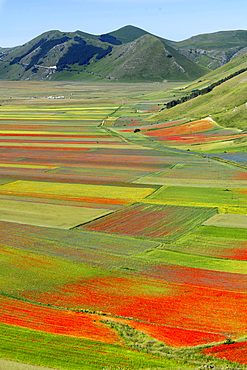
(129,54)
(147,58)
(226,103)
(214,49)
(128,34)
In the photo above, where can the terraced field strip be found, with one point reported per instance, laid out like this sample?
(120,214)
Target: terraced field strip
(74,245)
(26,166)
(236,352)
(64,352)
(215,241)
(16,365)
(19,266)
(160,179)
(69,145)
(195,276)
(90,193)
(91,114)
(80,133)
(103,173)
(47,215)
(55,108)
(202,172)
(146,127)
(51,320)
(193,133)
(171,336)
(200,142)
(226,201)
(167,256)
(227,220)
(164,222)
(184,129)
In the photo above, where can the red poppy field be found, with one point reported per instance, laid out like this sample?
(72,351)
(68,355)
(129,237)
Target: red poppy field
(110,253)
(236,352)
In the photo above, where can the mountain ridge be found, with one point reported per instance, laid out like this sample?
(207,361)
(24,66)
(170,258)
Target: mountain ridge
(214,49)
(127,54)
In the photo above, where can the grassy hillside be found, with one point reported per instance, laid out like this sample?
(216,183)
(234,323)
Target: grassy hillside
(182,90)
(226,104)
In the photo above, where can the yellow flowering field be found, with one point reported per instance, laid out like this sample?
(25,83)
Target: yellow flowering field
(100,193)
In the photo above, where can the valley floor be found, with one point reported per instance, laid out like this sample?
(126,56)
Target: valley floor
(123,242)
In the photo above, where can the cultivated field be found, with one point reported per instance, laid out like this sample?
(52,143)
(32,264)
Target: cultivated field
(123,242)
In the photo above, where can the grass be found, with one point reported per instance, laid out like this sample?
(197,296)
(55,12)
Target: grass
(223,232)
(225,201)
(47,215)
(166,256)
(214,241)
(219,103)
(19,267)
(239,221)
(44,349)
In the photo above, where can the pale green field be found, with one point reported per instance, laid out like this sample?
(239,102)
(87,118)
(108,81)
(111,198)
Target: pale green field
(227,220)
(12,365)
(47,215)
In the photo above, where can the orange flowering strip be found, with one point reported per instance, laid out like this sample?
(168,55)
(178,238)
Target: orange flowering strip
(187,128)
(173,336)
(199,309)
(50,320)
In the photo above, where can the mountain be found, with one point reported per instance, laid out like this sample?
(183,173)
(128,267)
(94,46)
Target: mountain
(128,34)
(213,50)
(128,54)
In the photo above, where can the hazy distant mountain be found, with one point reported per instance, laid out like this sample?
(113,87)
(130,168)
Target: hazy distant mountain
(127,54)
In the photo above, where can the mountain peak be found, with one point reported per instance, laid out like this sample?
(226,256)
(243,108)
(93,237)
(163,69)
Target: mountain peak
(128,33)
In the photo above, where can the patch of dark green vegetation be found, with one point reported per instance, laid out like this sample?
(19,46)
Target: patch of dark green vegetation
(110,39)
(63,352)
(79,39)
(81,53)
